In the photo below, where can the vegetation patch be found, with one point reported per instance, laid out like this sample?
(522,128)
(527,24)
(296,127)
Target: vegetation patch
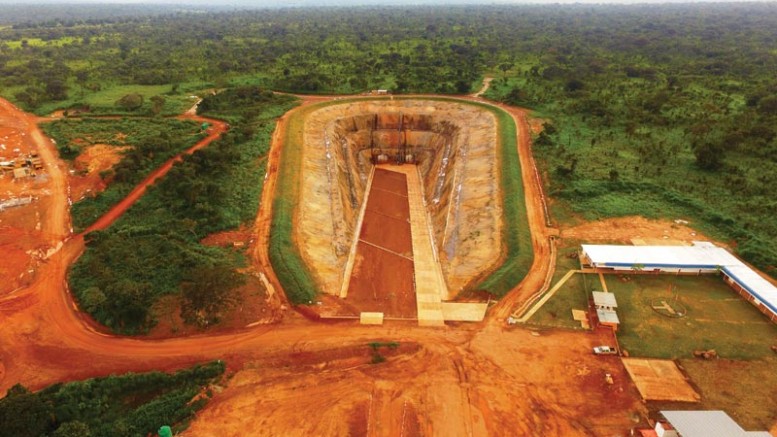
(126,405)
(519,254)
(286,260)
(154,249)
(152,141)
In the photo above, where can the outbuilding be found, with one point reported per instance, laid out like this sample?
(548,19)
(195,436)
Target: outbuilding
(702,424)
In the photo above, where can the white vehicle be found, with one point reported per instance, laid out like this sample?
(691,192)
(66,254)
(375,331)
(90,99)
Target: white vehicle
(605,350)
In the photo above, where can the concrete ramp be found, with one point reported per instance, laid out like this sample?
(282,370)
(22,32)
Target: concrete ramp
(429,283)
(367,318)
(464,311)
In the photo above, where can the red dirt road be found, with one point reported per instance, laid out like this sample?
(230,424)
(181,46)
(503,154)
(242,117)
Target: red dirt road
(214,132)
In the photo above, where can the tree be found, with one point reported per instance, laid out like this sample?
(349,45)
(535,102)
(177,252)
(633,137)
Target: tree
(130,102)
(207,292)
(157,103)
(56,89)
(92,299)
(23,413)
(505,67)
(73,429)
(709,155)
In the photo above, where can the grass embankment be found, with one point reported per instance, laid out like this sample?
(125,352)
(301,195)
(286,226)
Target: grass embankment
(155,245)
(151,142)
(125,405)
(295,275)
(517,237)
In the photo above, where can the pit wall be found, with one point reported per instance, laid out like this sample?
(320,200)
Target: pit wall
(455,147)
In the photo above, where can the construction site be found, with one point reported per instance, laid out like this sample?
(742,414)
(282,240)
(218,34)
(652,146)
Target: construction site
(401,204)
(400,210)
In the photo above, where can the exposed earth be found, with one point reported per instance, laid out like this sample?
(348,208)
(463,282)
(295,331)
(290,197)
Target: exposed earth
(299,377)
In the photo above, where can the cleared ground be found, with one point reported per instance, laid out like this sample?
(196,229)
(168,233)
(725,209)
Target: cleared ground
(660,380)
(382,276)
(472,383)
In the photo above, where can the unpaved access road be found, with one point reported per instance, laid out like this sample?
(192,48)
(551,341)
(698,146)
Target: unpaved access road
(462,380)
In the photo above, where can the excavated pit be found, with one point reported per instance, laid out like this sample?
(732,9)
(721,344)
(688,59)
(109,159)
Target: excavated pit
(454,148)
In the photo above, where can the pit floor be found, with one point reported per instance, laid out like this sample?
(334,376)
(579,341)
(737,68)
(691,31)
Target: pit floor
(383,271)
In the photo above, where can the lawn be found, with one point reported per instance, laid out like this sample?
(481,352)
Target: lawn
(103,102)
(717,318)
(571,296)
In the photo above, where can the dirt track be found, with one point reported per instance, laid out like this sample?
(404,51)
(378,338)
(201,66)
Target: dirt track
(465,380)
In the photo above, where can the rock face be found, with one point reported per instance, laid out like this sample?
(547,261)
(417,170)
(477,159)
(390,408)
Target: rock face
(454,147)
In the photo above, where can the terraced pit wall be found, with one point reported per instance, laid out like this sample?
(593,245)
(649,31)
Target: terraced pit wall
(454,148)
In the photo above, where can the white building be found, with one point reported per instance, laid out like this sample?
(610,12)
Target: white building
(700,258)
(702,424)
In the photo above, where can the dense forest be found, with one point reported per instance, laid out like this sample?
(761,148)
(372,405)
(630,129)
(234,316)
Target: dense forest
(666,110)
(134,404)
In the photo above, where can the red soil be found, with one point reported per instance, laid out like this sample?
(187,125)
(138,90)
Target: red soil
(382,278)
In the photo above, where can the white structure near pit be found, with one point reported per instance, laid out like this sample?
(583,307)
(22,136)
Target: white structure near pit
(702,424)
(606,306)
(700,258)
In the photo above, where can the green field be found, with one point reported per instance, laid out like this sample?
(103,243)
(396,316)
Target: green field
(717,318)
(571,296)
(103,102)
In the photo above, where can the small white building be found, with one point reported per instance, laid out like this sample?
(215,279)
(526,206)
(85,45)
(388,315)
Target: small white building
(604,301)
(606,305)
(703,424)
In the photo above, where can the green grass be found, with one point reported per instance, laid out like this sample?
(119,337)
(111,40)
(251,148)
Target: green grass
(292,272)
(38,42)
(572,295)
(103,102)
(717,318)
(519,255)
